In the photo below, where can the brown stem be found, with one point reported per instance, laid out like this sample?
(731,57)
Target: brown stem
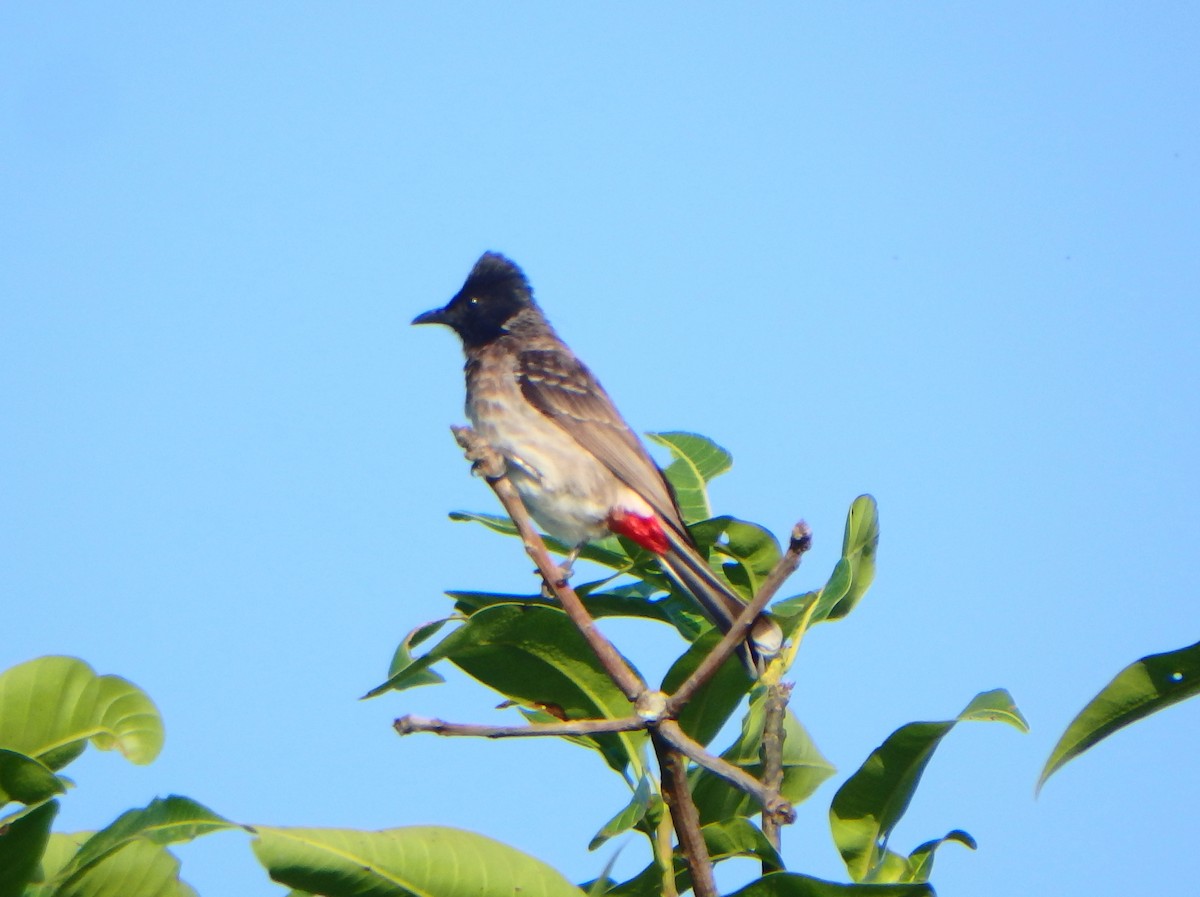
(800,542)
(409,724)
(769,800)
(775,712)
(684,816)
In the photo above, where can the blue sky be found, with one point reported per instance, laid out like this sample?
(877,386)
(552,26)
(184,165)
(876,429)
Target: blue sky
(941,253)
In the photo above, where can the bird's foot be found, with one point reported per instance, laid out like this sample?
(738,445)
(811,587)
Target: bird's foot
(567,568)
(485,460)
(562,577)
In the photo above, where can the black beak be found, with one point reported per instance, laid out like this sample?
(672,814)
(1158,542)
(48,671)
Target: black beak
(437,316)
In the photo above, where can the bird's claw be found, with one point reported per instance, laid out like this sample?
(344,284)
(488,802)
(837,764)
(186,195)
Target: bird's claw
(485,460)
(562,577)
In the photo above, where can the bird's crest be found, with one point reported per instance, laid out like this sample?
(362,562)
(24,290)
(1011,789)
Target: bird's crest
(496,275)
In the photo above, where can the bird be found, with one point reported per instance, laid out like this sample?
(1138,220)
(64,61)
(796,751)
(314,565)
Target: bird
(580,470)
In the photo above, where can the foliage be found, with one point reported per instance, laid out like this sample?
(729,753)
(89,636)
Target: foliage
(541,664)
(401,862)
(50,710)
(1144,687)
(870,803)
(525,648)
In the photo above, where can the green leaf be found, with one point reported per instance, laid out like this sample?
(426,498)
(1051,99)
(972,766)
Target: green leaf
(725,840)
(920,861)
(804,768)
(52,706)
(404,862)
(606,552)
(872,801)
(647,883)
(140,868)
(789,884)
(410,676)
(705,533)
(536,657)
(631,814)
(402,659)
(790,612)
(711,706)
(894,868)
(742,553)
(857,566)
(754,552)
(624,601)
(702,455)
(495,522)
(406,671)
(696,460)
(851,577)
(739,838)
(996,705)
(163,821)
(1142,688)
(59,850)
(603,883)
(22,843)
(24,779)
(684,614)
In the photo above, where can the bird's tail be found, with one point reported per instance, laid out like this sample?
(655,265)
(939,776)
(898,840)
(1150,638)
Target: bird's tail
(683,563)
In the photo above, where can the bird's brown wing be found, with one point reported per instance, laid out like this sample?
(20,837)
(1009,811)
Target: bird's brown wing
(562,388)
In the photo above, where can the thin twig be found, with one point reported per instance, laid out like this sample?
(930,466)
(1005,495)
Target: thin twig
(684,816)
(768,798)
(410,724)
(770,801)
(774,734)
(491,466)
(800,542)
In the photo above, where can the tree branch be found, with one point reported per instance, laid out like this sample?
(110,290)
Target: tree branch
(771,752)
(800,542)
(410,724)
(770,801)
(684,816)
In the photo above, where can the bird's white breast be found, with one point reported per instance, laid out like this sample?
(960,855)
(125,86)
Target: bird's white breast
(565,488)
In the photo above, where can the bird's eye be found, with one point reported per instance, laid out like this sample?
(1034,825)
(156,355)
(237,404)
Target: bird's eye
(474,300)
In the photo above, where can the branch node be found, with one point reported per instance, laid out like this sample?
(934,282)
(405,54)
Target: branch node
(651,705)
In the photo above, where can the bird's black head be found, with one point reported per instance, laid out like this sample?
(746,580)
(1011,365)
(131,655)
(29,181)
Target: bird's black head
(495,291)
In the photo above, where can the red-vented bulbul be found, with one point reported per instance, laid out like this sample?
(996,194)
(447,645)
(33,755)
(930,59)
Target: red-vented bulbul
(578,467)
